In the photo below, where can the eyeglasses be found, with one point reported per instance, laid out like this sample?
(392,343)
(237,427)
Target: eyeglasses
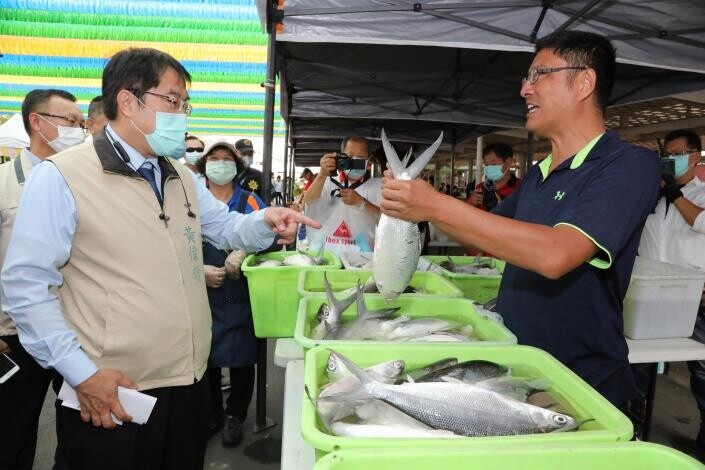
(194,149)
(535,73)
(70,119)
(177,104)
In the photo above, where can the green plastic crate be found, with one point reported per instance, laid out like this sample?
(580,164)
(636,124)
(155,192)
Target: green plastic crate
(273,294)
(474,287)
(577,397)
(614,456)
(461,310)
(311,282)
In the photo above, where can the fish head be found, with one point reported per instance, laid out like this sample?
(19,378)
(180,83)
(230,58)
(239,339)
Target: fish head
(335,369)
(323,312)
(551,421)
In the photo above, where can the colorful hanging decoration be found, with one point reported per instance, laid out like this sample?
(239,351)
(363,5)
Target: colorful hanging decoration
(66,44)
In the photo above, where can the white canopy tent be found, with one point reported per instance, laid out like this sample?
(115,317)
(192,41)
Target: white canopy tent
(12,133)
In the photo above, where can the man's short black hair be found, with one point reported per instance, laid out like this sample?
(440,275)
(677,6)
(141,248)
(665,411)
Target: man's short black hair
(502,150)
(138,69)
(583,49)
(355,138)
(36,98)
(690,137)
(95,108)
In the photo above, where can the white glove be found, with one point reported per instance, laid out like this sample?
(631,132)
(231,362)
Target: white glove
(233,263)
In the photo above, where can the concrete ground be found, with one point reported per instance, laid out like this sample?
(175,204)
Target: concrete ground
(675,424)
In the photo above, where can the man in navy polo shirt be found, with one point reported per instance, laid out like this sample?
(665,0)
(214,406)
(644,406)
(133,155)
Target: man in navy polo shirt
(570,233)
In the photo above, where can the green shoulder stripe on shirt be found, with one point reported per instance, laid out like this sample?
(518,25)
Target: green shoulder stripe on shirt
(595,261)
(578,159)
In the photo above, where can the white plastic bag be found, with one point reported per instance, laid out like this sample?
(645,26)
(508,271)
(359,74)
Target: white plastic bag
(345,228)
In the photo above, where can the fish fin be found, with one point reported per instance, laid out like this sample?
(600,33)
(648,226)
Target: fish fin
(339,305)
(392,157)
(383,313)
(539,385)
(410,379)
(451,380)
(422,160)
(324,423)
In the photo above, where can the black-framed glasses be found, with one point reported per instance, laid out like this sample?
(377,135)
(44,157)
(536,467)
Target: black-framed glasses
(177,104)
(535,73)
(68,118)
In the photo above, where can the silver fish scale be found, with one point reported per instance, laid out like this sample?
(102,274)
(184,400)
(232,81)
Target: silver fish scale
(396,255)
(461,408)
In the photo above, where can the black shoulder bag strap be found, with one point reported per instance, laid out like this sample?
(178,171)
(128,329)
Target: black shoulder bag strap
(18,170)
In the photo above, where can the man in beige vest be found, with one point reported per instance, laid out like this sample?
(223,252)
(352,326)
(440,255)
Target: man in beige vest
(49,117)
(104,272)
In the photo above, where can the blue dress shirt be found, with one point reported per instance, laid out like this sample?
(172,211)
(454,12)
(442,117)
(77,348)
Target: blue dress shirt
(41,244)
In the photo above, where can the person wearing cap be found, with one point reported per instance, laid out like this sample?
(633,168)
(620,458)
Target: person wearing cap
(250,179)
(233,344)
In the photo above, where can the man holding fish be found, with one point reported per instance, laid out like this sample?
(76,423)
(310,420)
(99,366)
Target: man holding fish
(570,233)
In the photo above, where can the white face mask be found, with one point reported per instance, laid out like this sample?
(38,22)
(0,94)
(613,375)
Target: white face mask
(67,138)
(193,157)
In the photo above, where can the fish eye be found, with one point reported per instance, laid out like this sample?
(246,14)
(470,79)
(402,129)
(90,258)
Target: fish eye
(560,419)
(398,365)
(331,367)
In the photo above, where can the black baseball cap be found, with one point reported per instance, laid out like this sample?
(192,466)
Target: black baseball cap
(244,146)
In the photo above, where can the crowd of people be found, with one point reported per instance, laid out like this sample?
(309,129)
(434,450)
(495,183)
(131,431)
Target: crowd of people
(114,243)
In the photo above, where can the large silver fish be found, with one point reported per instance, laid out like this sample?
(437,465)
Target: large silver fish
(397,242)
(462,408)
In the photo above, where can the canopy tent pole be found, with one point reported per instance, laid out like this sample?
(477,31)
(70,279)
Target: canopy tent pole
(478,160)
(262,422)
(529,161)
(269,89)
(452,162)
(285,189)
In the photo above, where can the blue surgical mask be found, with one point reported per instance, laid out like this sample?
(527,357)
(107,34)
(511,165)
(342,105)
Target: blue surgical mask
(354,174)
(493,172)
(681,164)
(247,160)
(168,137)
(221,171)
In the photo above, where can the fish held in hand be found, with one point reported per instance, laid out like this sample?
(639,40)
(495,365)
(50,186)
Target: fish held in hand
(397,242)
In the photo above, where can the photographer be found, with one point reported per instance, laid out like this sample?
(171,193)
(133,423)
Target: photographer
(500,181)
(348,205)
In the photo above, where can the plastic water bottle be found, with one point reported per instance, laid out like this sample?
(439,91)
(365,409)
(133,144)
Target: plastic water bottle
(301,241)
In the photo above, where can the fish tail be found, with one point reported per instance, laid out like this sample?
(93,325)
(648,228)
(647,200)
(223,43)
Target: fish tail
(392,157)
(423,159)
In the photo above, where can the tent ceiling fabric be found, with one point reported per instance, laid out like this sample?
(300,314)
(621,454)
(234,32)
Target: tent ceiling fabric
(351,59)
(60,44)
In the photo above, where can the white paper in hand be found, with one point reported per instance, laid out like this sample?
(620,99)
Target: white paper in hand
(137,404)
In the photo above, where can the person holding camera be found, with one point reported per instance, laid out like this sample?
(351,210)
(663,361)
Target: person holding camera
(348,206)
(500,181)
(675,233)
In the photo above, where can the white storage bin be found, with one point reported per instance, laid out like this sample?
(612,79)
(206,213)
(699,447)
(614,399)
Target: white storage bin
(662,300)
